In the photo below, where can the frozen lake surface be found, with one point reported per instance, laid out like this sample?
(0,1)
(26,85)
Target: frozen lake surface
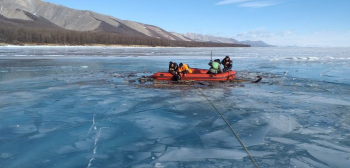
(81,107)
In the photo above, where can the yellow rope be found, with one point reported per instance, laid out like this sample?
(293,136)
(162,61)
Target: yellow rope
(228,124)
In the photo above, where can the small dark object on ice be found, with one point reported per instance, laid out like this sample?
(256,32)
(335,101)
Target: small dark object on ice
(132,81)
(258,79)
(145,79)
(203,83)
(142,80)
(132,75)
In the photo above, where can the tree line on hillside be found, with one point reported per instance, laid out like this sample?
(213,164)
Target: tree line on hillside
(27,35)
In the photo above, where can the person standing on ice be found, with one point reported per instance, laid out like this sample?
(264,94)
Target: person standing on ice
(215,67)
(184,69)
(227,63)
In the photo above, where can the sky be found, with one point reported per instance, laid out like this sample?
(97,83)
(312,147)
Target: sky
(276,22)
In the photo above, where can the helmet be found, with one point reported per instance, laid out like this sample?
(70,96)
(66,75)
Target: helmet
(181,64)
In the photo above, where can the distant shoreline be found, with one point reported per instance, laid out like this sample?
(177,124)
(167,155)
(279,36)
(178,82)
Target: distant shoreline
(94,45)
(98,45)
(144,46)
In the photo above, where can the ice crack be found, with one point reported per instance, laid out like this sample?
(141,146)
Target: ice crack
(90,162)
(93,124)
(97,137)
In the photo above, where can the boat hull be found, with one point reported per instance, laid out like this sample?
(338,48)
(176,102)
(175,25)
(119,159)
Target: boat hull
(197,75)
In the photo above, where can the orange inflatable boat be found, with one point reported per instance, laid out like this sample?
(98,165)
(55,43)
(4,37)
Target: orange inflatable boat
(197,75)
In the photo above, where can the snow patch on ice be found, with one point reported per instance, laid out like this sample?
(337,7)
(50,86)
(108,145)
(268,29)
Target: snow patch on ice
(218,122)
(333,101)
(315,130)
(86,144)
(5,155)
(284,140)
(154,125)
(66,149)
(220,137)
(298,163)
(25,129)
(282,123)
(195,154)
(331,145)
(314,163)
(333,158)
(37,136)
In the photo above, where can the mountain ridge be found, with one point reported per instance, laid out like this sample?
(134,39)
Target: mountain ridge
(87,20)
(81,20)
(45,15)
(210,38)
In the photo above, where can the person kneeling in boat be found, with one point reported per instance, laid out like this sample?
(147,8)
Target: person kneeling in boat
(173,69)
(184,69)
(227,62)
(215,67)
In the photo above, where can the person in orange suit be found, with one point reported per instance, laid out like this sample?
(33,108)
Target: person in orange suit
(184,69)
